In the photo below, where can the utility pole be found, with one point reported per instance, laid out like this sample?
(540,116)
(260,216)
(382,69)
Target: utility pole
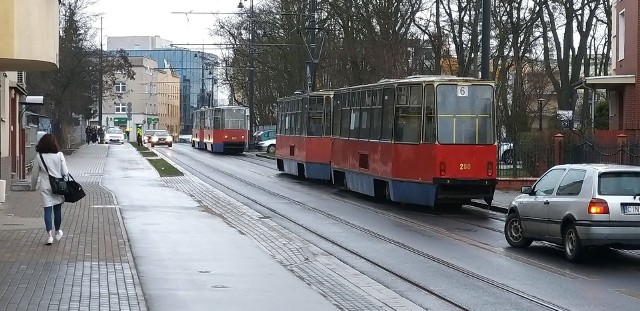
(252,69)
(101,80)
(486,33)
(311,63)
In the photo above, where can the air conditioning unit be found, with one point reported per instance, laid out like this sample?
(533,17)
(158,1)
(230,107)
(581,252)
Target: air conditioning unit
(21,79)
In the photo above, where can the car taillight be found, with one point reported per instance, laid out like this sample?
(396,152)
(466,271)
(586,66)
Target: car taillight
(489,168)
(443,168)
(598,206)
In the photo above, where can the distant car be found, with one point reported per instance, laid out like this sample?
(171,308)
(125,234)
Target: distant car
(505,153)
(114,134)
(185,138)
(161,138)
(578,206)
(268,145)
(264,135)
(147,136)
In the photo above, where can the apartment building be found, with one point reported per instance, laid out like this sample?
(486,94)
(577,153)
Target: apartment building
(623,85)
(150,101)
(28,42)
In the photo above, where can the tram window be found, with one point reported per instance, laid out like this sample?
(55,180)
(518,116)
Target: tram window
(388,98)
(355,103)
(429,114)
(345,116)
(314,121)
(402,94)
(408,119)
(327,116)
(465,118)
(234,119)
(376,115)
(300,122)
(337,109)
(216,123)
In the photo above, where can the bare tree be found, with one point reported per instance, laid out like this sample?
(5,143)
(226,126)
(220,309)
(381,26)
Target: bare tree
(565,20)
(72,90)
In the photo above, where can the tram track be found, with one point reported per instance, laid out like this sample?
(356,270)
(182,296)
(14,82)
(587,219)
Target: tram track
(264,163)
(468,273)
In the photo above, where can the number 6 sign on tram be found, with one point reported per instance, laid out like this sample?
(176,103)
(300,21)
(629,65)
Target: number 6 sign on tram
(463,90)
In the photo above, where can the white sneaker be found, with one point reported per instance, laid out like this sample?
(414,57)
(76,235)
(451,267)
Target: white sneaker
(59,235)
(49,240)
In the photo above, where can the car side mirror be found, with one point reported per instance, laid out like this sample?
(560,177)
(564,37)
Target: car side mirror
(525,190)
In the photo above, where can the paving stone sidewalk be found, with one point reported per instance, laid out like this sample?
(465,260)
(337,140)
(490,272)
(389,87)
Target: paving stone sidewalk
(91,268)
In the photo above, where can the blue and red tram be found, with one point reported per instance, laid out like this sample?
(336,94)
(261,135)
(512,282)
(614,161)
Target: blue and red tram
(304,136)
(421,140)
(220,129)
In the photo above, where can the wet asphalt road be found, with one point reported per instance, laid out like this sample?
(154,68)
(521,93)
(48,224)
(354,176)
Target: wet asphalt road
(470,240)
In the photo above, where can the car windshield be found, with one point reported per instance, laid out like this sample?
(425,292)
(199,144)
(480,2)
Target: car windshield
(114,131)
(619,183)
(161,133)
(148,133)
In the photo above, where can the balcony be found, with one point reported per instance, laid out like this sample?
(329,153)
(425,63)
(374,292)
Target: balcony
(29,40)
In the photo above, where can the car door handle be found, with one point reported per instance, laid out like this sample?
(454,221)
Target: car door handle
(546,202)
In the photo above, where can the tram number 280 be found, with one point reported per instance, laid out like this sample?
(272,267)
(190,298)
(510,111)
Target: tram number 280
(465,166)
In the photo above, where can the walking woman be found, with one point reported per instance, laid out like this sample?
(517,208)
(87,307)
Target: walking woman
(49,158)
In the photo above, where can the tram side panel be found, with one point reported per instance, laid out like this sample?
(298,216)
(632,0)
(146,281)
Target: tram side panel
(361,166)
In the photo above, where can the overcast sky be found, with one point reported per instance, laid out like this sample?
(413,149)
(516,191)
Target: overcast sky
(155,17)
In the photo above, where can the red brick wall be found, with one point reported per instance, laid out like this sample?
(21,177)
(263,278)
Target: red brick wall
(630,108)
(628,65)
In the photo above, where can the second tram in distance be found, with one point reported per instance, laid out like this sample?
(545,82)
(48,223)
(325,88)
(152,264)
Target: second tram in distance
(220,129)
(421,140)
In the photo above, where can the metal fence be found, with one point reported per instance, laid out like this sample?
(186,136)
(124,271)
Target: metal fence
(534,153)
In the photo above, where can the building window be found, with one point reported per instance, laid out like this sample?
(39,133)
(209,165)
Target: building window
(621,37)
(120,87)
(120,107)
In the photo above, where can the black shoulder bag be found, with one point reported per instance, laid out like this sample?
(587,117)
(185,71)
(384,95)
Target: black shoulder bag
(58,185)
(74,191)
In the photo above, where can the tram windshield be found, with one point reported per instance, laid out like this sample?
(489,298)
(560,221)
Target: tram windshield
(465,114)
(234,119)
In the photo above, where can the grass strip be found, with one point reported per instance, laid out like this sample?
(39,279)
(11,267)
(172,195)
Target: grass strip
(148,154)
(161,165)
(139,148)
(164,168)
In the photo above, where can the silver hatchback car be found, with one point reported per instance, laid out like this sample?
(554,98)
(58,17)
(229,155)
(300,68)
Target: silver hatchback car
(578,206)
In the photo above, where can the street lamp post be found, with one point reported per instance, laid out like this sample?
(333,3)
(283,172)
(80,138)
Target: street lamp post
(540,101)
(251,67)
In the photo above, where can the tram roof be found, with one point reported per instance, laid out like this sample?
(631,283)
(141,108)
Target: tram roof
(385,81)
(418,79)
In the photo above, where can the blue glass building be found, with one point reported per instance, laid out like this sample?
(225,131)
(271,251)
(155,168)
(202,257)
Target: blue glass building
(198,78)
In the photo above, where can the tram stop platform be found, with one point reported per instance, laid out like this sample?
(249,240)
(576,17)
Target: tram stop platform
(138,241)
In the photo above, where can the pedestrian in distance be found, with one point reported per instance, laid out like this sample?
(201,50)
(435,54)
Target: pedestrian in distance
(87,132)
(94,134)
(49,161)
(139,136)
(101,134)
(128,132)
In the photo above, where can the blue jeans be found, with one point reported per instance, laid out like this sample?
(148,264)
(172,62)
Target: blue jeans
(57,215)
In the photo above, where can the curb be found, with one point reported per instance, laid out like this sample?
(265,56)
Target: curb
(266,156)
(493,208)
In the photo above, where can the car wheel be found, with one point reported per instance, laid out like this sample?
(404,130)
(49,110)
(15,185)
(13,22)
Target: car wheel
(514,232)
(152,145)
(573,248)
(171,145)
(507,157)
(271,149)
